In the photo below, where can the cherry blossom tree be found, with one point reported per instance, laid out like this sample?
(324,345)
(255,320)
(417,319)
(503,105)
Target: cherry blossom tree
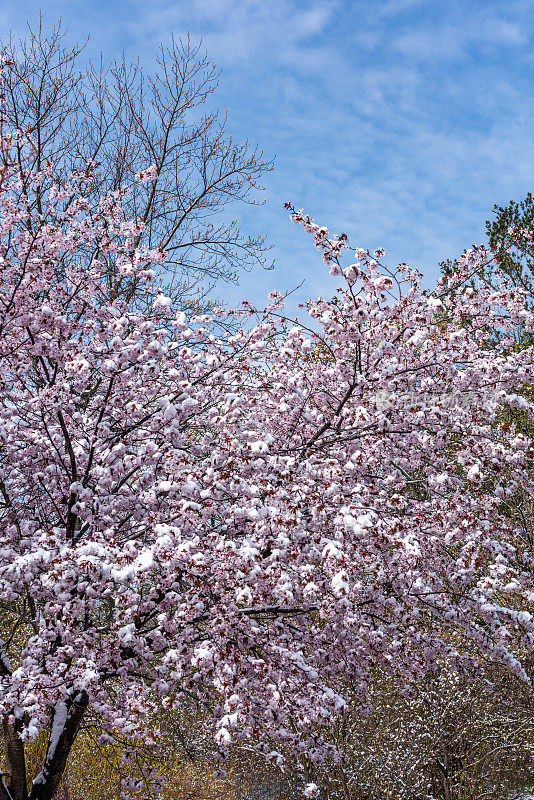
(255,523)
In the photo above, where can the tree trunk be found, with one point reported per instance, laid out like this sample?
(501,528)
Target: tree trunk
(66,720)
(444,777)
(15,765)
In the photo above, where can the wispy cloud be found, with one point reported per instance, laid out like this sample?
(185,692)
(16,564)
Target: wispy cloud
(247,31)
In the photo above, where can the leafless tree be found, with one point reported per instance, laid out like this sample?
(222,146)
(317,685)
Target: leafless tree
(115,120)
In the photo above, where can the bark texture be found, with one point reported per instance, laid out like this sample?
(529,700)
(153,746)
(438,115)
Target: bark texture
(15,764)
(60,743)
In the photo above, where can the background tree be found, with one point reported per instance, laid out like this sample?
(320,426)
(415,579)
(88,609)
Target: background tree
(508,235)
(444,739)
(118,120)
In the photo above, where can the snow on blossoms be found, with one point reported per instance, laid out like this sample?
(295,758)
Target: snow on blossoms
(255,520)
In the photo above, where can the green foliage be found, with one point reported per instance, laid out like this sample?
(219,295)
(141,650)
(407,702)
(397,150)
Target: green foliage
(514,254)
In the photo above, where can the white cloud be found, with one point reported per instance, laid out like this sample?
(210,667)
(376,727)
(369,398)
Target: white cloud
(235,32)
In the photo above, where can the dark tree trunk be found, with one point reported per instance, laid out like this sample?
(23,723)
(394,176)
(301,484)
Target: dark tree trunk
(15,764)
(65,725)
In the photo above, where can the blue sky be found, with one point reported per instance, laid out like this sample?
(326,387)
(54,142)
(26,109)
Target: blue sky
(399,122)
